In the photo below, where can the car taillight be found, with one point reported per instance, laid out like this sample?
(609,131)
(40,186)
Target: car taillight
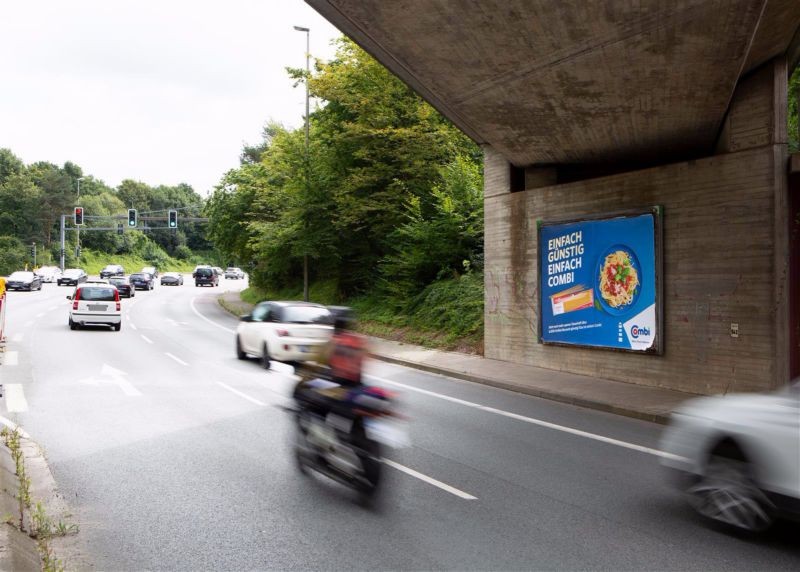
(116,299)
(76,298)
(282,333)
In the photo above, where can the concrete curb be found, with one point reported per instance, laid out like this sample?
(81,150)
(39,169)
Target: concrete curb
(661,418)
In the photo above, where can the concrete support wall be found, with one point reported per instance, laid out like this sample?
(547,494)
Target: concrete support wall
(725,258)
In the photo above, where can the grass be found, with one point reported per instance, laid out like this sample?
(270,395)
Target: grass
(92,262)
(447,315)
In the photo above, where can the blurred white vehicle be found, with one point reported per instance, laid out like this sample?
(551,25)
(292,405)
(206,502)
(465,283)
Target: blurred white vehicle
(738,457)
(49,273)
(284,331)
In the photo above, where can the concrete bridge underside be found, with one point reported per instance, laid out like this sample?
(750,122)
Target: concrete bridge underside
(586,107)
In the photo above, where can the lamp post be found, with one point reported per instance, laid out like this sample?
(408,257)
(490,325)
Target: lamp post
(308,182)
(78,229)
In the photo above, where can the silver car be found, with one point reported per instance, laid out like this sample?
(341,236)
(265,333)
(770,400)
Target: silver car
(738,457)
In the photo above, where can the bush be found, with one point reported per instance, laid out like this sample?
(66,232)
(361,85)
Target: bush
(13,255)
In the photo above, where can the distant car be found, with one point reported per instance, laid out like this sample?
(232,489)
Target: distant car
(112,270)
(206,276)
(142,281)
(198,267)
(738,457)
(218,270)
(72,277)
(49,273)
(233,273)
(151,270)
(22,280)
(95,305)
(172,279)
(284,331)
(124,286)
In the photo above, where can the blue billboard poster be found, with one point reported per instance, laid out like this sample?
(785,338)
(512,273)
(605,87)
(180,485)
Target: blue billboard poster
(599,282)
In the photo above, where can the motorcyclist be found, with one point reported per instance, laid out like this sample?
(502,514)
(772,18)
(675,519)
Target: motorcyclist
(344,357)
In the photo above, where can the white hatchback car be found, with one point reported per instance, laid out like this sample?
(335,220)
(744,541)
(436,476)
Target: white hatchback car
(95,304)
(284,331)
(738,456)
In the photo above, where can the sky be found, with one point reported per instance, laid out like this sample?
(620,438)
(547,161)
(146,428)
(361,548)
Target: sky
(159,91)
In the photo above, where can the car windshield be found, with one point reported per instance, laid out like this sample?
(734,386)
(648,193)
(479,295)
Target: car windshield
(21,276)
(116,281)
(72,273)
(306,315)
(97,294)
(138,276)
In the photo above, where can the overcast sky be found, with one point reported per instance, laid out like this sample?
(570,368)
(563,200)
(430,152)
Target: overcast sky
(161,91)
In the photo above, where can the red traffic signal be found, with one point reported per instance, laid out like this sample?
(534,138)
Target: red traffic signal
(78,215)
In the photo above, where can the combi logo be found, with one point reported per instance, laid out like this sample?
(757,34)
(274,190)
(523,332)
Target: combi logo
(637,331)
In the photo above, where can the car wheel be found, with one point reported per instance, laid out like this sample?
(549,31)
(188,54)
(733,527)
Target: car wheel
(239,352)
(117,326)
(265,361)
(72,325)
(728,494)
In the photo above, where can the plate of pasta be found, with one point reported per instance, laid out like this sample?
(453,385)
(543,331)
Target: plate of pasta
(619,280)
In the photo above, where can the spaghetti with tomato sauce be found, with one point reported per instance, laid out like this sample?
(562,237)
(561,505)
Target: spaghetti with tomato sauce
(618,279)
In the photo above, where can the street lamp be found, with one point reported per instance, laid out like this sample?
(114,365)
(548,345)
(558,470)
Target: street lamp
(78,229)
(308,73)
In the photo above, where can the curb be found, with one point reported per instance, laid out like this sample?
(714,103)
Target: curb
(660,418)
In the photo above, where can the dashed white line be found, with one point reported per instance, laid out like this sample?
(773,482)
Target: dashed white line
(429,480)
(149,341)
(10,358)
(533,421)
(40,314)
(52,308)
(177,359)
(212,322)
(15,398)
(134,326)
(242,395)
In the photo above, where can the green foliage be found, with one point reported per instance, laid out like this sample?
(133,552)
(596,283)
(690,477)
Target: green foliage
(93,261)
(385,203)
(794,101)
(13,255)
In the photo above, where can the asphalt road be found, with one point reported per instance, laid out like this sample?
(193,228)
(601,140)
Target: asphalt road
(173,454)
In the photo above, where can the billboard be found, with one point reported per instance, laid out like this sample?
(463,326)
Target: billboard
(600,282)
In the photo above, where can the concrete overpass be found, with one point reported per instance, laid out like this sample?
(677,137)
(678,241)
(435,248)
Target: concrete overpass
(586,107)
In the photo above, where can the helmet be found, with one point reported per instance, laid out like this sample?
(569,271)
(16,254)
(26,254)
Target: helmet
(343,317)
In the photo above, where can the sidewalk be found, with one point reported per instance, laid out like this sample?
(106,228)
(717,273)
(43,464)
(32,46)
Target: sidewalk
(638,401)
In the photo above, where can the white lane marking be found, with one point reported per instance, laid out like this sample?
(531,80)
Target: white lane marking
(15,398)
(177,359)
(40,314)
(52,308)
(212,322)
(539,422)
(148,340)
(11,425)
(240,394)
(10,358)
(429,480)
(112,376)
(18,337)
(134,326)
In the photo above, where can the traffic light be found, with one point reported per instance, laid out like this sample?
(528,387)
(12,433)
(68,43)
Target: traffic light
(77,252)
(131,217)
(78,215)
(173,219)
(33,251)
(120,228)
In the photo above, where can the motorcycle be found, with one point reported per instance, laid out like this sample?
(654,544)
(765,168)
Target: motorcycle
(341,433)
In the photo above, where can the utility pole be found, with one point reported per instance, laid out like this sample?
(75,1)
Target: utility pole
(308,161)
(78,231)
